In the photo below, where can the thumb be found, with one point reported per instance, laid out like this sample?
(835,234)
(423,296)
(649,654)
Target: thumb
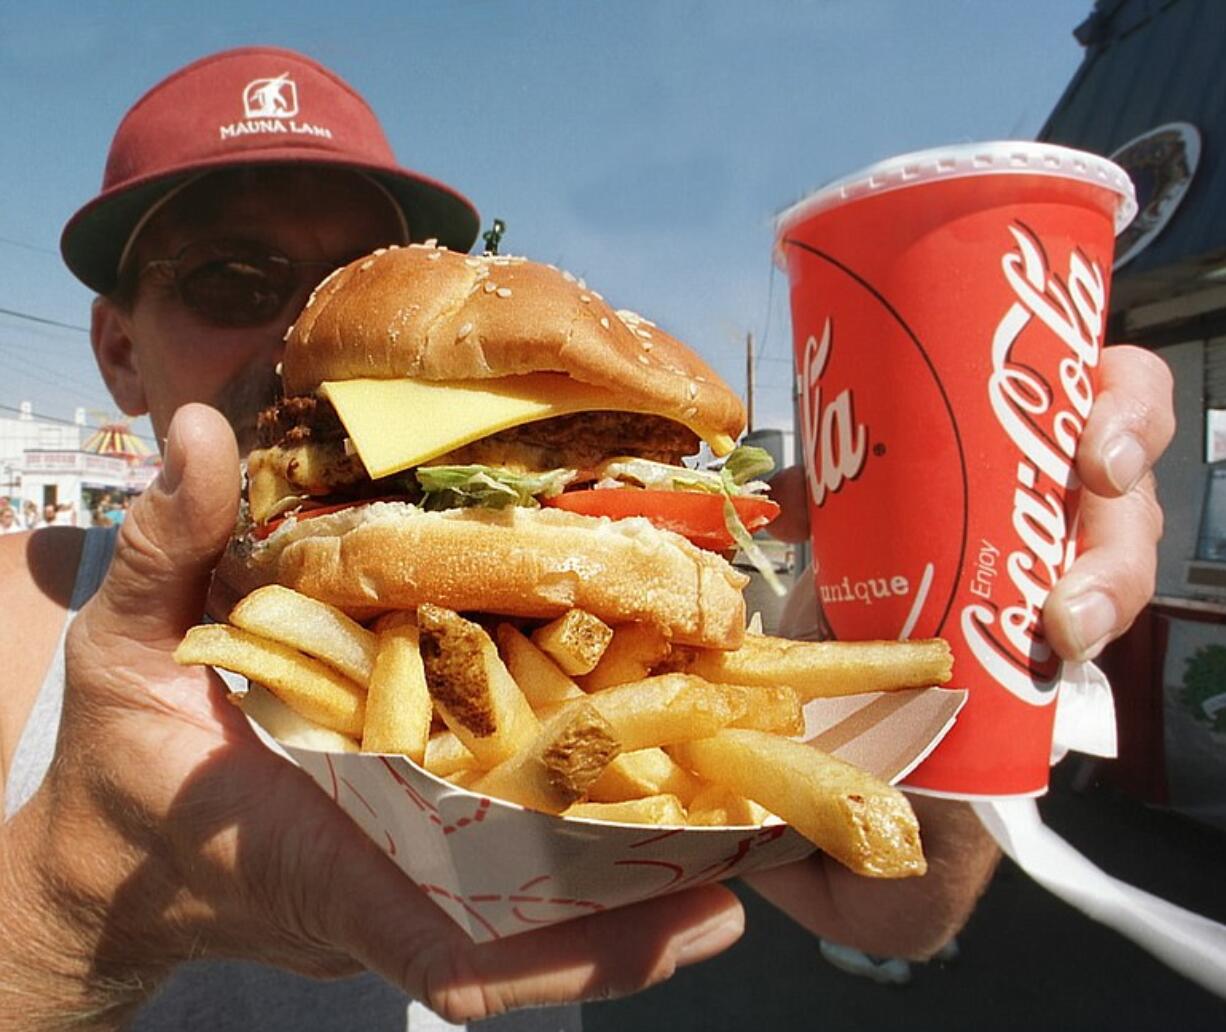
(173,534)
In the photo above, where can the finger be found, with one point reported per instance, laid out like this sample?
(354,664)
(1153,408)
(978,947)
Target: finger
(1131,423)
(1112,579)
(609,954)
(173,535)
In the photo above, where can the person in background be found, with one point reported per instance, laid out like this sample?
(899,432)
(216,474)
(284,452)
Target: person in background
(9,524)
(29,515)
(162,869)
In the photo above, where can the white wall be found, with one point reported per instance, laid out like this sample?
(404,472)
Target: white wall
(1182,472)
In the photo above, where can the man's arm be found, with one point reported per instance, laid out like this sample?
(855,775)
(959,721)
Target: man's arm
(37,572)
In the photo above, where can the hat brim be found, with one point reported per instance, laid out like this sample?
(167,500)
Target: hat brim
(94,238)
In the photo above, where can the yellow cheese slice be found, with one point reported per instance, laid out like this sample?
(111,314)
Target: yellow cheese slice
(396,424)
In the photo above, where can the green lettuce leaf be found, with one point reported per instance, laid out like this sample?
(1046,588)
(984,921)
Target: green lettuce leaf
(490,487)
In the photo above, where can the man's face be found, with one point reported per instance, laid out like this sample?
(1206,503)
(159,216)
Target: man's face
(179,355)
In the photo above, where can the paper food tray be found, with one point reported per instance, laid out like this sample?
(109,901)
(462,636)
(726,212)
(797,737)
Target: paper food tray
(498,869)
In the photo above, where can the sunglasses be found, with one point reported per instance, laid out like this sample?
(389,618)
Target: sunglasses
(237,282)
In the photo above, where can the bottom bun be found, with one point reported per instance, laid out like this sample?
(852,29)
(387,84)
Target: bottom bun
(518,562)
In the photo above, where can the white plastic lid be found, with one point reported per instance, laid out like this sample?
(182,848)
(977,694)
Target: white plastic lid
(971,159)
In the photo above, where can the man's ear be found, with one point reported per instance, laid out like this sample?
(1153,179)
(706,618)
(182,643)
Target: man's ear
(116,357)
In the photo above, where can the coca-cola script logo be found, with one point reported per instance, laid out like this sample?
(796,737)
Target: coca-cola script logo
(1007,640)
(835,444)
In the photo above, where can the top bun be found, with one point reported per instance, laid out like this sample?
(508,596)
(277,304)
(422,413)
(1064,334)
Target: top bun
(426,313)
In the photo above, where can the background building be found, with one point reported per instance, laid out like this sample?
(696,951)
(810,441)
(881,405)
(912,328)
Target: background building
(71,466)
(1149,94)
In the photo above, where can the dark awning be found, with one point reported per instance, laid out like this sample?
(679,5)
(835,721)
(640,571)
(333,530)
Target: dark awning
(1148,64)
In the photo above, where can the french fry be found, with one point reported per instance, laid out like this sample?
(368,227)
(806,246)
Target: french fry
(668,708)
(475,694)
(557,768)
(642,773)
(575,640)
(771,707)
(446,754)
(312,688)
(859,820)
(656,810)
(466,778)
(540,679)
(818,669)
(630,656)
(398,704)
(287,725)
(716,806)
(310,626)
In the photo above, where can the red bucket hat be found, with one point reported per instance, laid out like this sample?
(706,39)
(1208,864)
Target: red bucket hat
(245,107)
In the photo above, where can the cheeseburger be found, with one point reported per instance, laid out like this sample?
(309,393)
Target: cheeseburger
(488,434)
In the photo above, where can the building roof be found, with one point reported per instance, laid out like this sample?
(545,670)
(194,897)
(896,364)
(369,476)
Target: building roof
(1149,63)
(116,439)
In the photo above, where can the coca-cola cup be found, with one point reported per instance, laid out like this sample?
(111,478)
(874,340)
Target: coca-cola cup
(948,313)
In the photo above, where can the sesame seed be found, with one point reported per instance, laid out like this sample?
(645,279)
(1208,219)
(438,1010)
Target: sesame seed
(644,359)
(690,412)
(473,263)
(278,369)
(693,390)
(379,251)
(464,331)
(366,265)
(645,334)
(597,296)
(647,344)
(434,256)
(504,291)
(604,321)
(585,298)
(490,287)
(567,276)
(432,242)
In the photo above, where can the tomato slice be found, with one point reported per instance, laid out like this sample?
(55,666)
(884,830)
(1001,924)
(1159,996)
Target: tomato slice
(693,514)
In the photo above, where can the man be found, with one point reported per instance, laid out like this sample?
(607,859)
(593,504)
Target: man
(162,831)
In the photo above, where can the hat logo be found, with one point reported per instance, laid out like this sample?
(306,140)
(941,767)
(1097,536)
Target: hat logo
(271,98)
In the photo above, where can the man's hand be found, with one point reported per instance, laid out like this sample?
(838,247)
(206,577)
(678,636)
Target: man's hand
(1130,425)
(165,830)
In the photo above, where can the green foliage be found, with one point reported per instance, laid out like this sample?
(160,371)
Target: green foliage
(1204,678)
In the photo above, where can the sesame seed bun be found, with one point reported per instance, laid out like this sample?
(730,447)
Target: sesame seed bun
(431,314)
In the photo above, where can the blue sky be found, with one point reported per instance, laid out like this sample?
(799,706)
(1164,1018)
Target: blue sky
(644,144)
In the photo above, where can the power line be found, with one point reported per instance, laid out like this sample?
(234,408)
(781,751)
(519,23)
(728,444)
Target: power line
(65,422)
(23,365)
(28,247)
(43,321)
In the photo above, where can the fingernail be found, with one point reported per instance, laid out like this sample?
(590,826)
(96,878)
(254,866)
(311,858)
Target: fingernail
(1093,622)
(1124,460)
(710,939)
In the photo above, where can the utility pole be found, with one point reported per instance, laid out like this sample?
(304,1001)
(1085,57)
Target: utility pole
(749,381)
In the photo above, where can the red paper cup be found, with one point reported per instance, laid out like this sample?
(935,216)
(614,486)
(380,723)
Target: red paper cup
(948,312)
